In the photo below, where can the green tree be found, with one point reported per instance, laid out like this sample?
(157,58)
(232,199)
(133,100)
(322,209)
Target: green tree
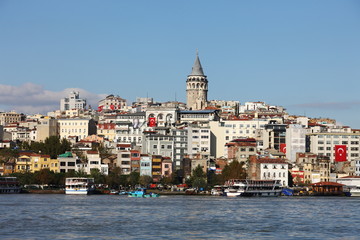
(44,176)
(213,179)
(134,178)
(99,178)
(198,178)
(113,180)
(176,177)
(234,170)
(145,180)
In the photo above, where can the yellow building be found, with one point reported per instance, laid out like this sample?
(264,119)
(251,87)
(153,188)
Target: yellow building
(33,162)
(156,167)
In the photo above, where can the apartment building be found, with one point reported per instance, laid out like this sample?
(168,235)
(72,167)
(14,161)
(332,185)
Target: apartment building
(80,128)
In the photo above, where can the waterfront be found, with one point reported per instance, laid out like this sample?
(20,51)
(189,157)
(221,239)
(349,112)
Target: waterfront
(57,216)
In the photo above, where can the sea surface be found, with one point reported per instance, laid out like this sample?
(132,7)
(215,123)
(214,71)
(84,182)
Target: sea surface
(58,216)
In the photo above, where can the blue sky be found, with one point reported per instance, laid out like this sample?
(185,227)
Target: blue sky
(303,55)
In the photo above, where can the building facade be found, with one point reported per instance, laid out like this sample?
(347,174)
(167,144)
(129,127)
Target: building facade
(73,101)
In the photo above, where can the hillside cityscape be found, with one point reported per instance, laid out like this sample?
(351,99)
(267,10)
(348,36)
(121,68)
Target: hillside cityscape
(169,141)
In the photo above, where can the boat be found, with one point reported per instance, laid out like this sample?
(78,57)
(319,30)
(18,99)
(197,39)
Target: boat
(113,192)
(9,185)
(351,186)
(355,191)
(287,192)
(141,192)
(253,188)
(79,186)
(217,190)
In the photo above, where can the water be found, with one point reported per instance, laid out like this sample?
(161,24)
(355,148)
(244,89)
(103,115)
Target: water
(57,216)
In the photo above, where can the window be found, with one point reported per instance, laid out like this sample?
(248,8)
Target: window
(162,146)
(71,164)
(154,146)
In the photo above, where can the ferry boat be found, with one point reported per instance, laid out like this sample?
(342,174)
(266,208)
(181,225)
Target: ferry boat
(253,188)
(79,186)
(9,185)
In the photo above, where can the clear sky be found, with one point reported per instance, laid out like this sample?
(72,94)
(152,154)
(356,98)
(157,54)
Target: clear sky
(303,55)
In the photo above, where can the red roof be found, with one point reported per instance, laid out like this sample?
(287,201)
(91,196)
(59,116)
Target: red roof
(92,152)
(107,126)
(327,184)
(124,145)
(351,177)
(271,160)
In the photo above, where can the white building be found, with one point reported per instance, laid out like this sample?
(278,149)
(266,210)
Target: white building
(324,144)
(112,102)
(269,169)
(129,128)
(93,162)
(199,141)
(72,102)
(295,141)
(228,130)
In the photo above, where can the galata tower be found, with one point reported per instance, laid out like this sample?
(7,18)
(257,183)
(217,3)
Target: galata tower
(196,87)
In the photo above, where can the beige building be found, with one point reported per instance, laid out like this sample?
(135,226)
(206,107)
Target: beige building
(81,128)
(9,117)
(46,127)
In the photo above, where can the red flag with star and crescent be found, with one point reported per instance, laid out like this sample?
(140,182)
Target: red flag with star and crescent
(283,147)
(340,153)
(152,122)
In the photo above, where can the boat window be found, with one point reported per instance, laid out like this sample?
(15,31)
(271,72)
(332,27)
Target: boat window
(265,167)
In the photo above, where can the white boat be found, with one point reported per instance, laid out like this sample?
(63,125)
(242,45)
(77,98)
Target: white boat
(217,190)
(355,191)
(79,186)
(9,185)
(253,188)
(234,188)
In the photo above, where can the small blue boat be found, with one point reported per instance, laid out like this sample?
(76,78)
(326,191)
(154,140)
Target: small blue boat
(141,192)
(287,192)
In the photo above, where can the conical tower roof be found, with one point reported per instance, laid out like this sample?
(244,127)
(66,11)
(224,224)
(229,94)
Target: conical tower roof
(197,69)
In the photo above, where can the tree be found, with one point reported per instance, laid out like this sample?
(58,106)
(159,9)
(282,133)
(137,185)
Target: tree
(213,179)
(145,180)
(134,178)
(97,175)
(44,176)
(234,170)
(198,178)
(176,177)
(113,179)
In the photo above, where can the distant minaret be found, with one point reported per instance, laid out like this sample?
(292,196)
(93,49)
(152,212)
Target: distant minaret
(196,87)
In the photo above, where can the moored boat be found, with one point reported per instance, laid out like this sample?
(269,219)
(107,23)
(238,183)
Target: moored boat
(80,186)
(9,185)
(141,192)
(253,188)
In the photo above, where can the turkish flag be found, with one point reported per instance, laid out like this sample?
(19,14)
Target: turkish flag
(112,107)
(340,153)
(283,147)
(152,122)
(100,108)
